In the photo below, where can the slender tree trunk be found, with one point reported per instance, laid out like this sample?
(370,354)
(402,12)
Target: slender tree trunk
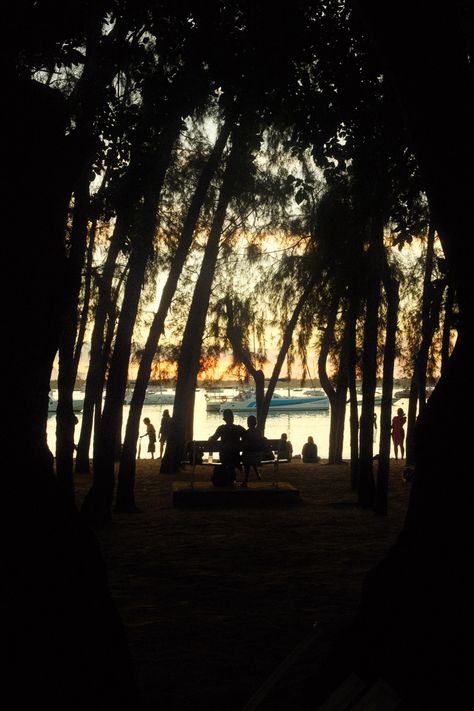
(125,500)
(65,417)
(447,327)
(263,398)
(420,360)
(189,359)
(369,372)
(88,99)
(105,356)
(97,504)
(324,379)
(286,343)
(242,355)
(418,386)
(429,331)
(383,466)
(411,421)
(353,413)
(94,380)
(336,442)
(140,168)
(87,298)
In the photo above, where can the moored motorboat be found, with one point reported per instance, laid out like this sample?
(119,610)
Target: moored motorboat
(280,403)
(153,397)
(214,401)
(401,394)
(77,401)
(377,397)
(159,397)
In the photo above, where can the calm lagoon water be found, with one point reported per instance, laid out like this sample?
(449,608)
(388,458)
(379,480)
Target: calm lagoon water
(298,425)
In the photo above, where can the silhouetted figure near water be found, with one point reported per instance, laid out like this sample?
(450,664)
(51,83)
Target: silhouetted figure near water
(151,434)
(253,446)
(231,437)
(164,432)
(309,453)
(285,448)
(398,433)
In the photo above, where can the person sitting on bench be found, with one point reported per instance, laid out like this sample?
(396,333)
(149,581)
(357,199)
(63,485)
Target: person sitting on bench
(231,437)
(285,448)
(252,452)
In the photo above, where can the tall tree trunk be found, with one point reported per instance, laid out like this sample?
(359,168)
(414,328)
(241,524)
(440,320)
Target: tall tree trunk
(106,355)
(125,500)
(94,380)
(282,353)
(189,360)
(324,379)
(336,441)
(242,355)
(383,465)
(369,370)
(68,619)
(447,328)
(97,504)
(81,333)
(411,420)
(65,417)
(353,409)
(431,300)
(130,193)
(87,100)
(44,184)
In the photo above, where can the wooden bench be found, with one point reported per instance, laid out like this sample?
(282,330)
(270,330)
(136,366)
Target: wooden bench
(257,493)
(198,447)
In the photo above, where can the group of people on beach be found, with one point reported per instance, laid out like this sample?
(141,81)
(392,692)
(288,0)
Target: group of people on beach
(163,433)
(247,448)
(253,445)
(234,440)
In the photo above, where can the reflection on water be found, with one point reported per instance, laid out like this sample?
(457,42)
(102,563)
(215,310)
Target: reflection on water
(298,425)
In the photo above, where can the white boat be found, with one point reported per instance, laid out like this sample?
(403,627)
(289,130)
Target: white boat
(377,397)
(77,401)
(215,398)
(159,397)
(280,403)
(153,397)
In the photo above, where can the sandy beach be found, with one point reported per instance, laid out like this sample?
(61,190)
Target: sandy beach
(214,599)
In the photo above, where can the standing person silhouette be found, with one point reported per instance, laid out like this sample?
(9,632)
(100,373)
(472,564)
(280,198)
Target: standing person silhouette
(231,437)
(398,433)
(164,432)
(151,434)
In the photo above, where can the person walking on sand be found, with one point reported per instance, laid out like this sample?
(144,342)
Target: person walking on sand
(151,434)
(164,432)
(398,433)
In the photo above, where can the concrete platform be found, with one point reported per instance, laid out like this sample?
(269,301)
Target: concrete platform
(260,493)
